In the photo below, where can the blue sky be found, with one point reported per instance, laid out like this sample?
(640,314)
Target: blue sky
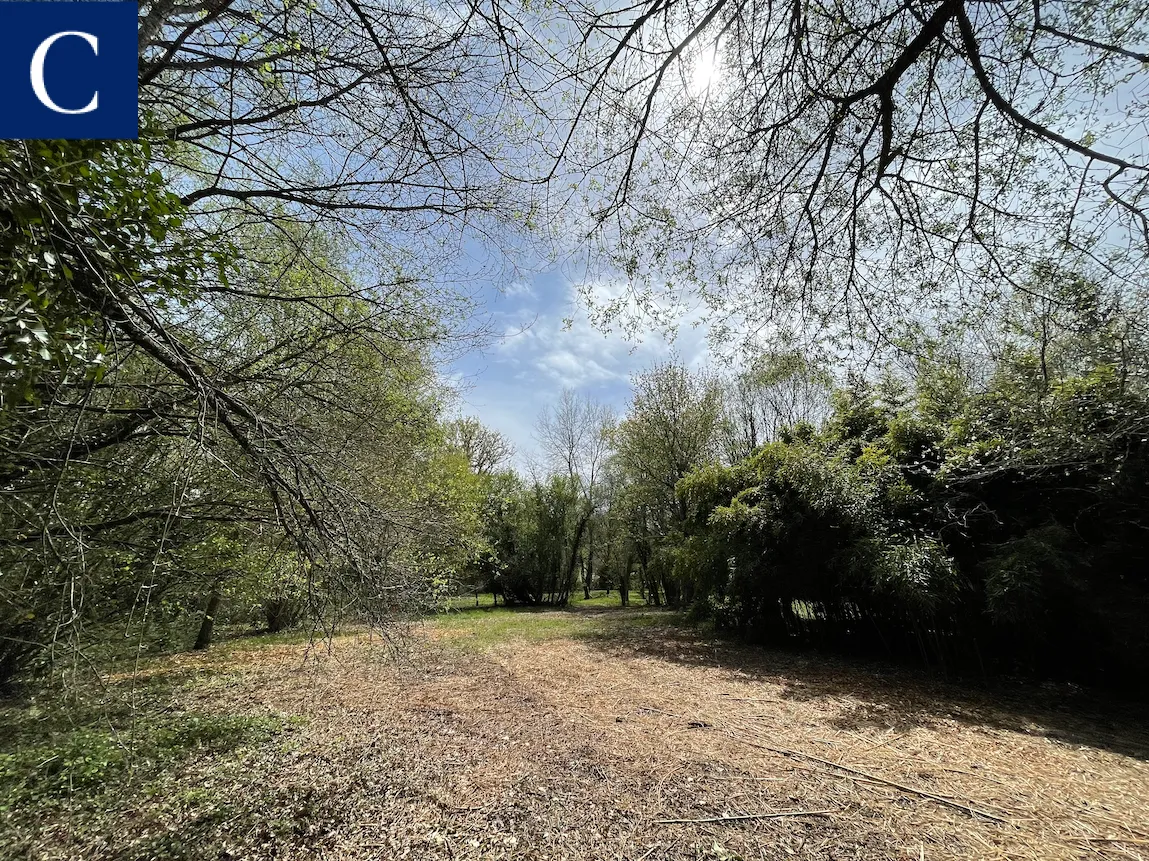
(548,343)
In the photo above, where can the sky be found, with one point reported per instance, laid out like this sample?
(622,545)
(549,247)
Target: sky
(547,343)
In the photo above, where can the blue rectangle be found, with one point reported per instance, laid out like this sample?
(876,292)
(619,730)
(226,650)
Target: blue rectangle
(69,70)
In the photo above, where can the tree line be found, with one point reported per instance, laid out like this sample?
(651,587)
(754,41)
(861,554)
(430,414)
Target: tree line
(259,429)
(981,516)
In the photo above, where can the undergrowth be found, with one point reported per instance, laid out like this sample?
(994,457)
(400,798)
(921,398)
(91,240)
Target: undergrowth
(53,750)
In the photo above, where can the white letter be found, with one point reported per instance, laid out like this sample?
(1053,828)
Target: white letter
(38,72)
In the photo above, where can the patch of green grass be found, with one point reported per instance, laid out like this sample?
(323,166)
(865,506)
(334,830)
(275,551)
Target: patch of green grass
(248,641)
(624,624)
(112,652)
(486,600)
(472,601)
(485,627)
(600,598)
(59,752)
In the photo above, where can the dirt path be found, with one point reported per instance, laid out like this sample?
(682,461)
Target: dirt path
(584,746)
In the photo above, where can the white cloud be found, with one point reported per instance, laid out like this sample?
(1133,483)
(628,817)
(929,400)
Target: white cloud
(563,347)
(551,345)
(519,288)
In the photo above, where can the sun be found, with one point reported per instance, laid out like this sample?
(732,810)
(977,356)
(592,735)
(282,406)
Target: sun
(707,71)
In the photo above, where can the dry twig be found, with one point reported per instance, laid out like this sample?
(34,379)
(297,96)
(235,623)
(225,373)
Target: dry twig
(743,816)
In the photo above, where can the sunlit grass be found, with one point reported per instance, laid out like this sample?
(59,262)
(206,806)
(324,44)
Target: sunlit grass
(598,598)
(483,627)
(486,627)
(604,599)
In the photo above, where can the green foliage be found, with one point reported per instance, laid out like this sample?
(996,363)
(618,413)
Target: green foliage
(51,756)
(779,390)
(992,524)
(486,627)
(73,213)
(1022,573)
(483,628)
(530,532)
(257,418)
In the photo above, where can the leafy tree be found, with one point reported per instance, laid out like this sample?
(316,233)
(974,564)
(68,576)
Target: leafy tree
(85,226)
(217,428)
(531,534)
(982,523)
(82,222)
(670,428)
(867,165)
(574,436)
(485,449)
(778,391)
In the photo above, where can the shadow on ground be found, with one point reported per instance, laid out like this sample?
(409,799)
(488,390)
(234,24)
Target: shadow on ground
(884,696)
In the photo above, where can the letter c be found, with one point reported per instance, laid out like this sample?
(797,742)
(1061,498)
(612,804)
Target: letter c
(38,72)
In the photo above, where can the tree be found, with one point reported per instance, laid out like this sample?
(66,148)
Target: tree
(168,438)
(249,303)
(861,166)
(574,437)
(530,530)
(83,222)
(670,428)
(982,521)
(485,449)
(388,118)
(614,535)
(778,391)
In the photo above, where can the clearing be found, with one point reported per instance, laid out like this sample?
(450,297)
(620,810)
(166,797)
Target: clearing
(589,734)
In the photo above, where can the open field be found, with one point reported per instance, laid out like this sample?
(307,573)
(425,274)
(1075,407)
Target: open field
(585,734)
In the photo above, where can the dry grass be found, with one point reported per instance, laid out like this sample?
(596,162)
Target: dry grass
(596,741)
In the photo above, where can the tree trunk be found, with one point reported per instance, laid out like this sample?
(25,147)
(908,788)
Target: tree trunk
(652,596)
(203,639)
(574,554)
(588,573)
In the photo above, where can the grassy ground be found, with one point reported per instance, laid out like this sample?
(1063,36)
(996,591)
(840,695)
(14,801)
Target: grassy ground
(598,598)
(483,627)
(586,733)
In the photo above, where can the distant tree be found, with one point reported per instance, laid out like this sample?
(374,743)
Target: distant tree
(671,427)
(485,449)
(984,518)
(531,529)
(778,391)
(575,436)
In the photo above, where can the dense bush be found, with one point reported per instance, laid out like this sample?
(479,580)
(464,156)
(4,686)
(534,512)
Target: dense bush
(982,527)
(531,535)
